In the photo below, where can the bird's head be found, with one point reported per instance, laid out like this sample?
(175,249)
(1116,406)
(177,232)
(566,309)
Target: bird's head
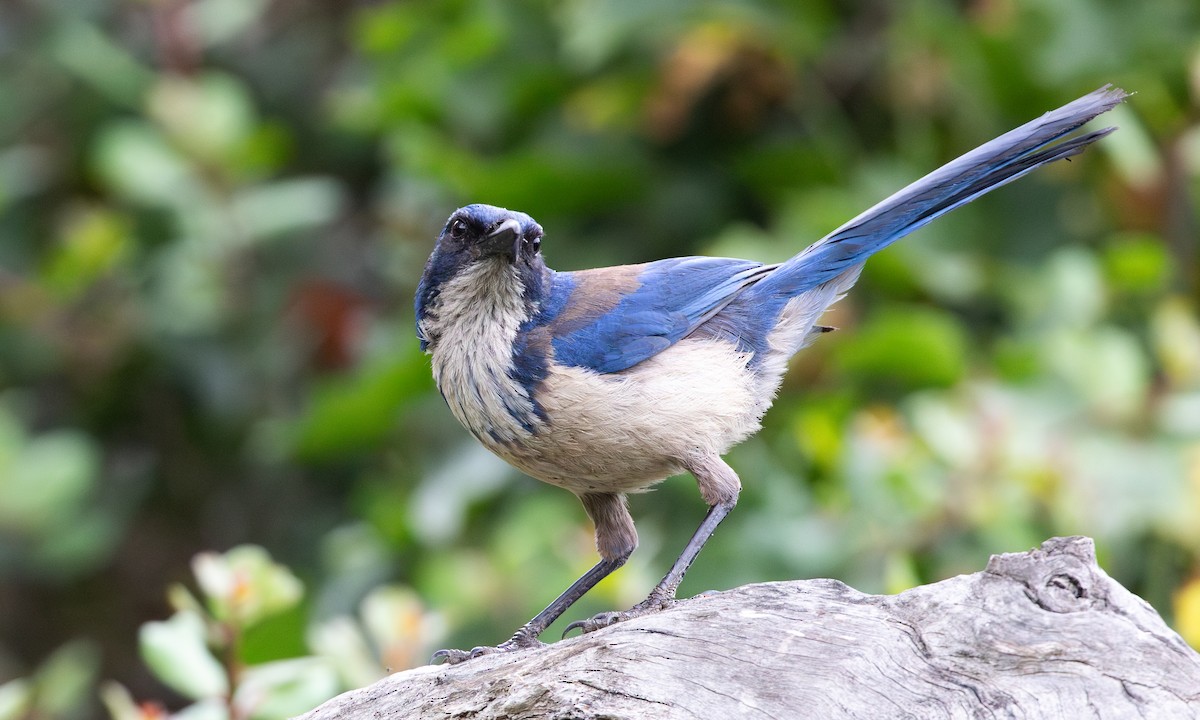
(481,232)
(483,243)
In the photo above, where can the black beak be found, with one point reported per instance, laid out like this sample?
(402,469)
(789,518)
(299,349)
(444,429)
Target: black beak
(506,238)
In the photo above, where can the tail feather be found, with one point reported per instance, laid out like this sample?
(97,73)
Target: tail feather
(960,181)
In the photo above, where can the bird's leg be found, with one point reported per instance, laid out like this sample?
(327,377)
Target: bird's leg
(719,485)
(616,540)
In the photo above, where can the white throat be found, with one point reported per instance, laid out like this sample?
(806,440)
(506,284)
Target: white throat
(472,327)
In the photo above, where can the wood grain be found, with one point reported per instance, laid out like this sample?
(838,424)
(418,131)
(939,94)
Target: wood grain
(1040,634)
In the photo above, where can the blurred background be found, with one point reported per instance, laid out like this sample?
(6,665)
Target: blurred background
(213,215)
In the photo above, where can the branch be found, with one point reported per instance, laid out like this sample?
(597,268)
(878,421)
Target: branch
(1041,634)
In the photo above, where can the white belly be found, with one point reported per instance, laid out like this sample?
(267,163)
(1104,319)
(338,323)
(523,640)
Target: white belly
(625,431)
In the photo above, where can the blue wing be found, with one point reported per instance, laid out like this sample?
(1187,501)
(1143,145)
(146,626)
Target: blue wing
(610,319)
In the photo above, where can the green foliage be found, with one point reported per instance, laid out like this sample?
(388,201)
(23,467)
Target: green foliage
(47,484)
(911,349)
(215,213)
(58,688)
(198,652)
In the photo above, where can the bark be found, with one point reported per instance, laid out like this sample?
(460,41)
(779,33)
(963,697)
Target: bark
(1041,634)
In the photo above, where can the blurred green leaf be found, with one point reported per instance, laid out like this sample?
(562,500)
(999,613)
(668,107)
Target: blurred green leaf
(901,573)
(349,414)
(277,636)
(119,702)
(1017,361)
(15,698)
(1132,150)
(342,642)
(386,27)
(208,117)
(188,297)
(400,626)
(1179,414)
(284,207)
(181,600)
(947,429)
(818,430)
(176,651)
(439,505)
(135,161)
(64,681)
(220,21)
(1137,264)
(93,243)
(907,349)
(243,586)
(47,479)
(81,544)
(1075,289)
(1175,329)
(208,709)
(1106,366)
(105,65)
(285,688)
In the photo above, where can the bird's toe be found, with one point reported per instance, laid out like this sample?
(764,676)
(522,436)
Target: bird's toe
(450,656)
(648,606)
(521,640)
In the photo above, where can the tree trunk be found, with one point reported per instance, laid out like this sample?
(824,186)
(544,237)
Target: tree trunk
(1041,634)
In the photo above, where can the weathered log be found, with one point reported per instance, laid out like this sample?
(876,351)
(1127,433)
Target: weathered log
(1041,634)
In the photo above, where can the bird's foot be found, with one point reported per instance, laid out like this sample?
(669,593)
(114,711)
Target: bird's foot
(522,639)
(656,602)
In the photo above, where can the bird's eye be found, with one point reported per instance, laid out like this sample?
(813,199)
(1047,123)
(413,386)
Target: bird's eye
(458,228)
(536,242)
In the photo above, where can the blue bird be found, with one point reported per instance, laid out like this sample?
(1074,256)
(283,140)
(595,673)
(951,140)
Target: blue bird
(606,381)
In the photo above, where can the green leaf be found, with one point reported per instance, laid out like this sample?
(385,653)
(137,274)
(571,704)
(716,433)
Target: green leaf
(119,702)
(352,413)
(244,585)
(217,21)
(285,688)
(176,652)
(48,480)
(342,642)
(103,64)
(93,243)
(189,293)
(134,160)
(65,679)
(209,117)
(400,626)
(210,709)
(286,205)
(16,696)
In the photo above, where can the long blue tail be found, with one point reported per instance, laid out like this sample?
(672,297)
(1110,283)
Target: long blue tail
(985,168)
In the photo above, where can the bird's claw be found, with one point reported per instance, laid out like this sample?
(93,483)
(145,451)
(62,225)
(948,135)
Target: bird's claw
(452,656)
(519,641)
(596,622)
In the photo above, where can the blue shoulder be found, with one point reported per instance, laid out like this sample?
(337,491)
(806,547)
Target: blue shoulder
(610,319)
